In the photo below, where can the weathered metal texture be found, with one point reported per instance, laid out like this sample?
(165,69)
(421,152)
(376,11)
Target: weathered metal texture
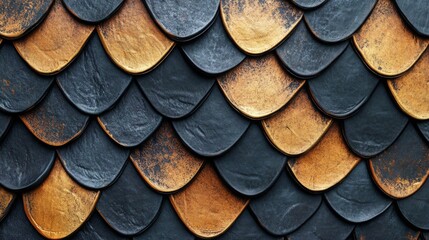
(132,39)
(95,228)
(164,162)
(17,18)
(416,207)
(326,164)
(6,201)
(298,126)
(92,11)
(415,13)
(5,121)
(207,207)
(285,207)
(424,129)
(213,128)
(259,26)
(55,43)
(251,156)
(386,44)
(308,4)
(259,86)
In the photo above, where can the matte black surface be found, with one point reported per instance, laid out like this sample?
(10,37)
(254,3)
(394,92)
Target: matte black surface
(337,20)
(213,52)
(25,161)
(323,225)
(92,82)
(416,207)
(416,14)
(92,11)
(132,119)
(20,91)
(167,226)
(96,229)
(305,56)
(285,207)
(185,19)
(424,128)
(308,4)
(344,87)
(252,165)
(93,160)
(174,88)
(5,120)
(389,225)
(376,125)
(357,199)
(213,128)
(129,206)
(16,224)
(246,228)
(55,119)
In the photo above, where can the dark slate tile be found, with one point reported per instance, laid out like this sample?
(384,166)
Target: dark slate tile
(213,128)
(416,14)
(213,52)
(55,121)
(167,226)
(96,229)
(308,4)
(376,125)
(131,120)
(129,206)
(416,207)
(21,88)
(424,235)
(252,165)
(424,129)
(92,82)
(357,199)
(246,228)
(174,88)
(16,224)
(305,56)
(323,225)
(389,225)
(183,20)
(92,11)
(337,20)
(93,160)
(25,161)
(285,207)
(5,120)
(344,87)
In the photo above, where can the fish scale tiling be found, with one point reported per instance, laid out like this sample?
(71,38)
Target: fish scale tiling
(270,119)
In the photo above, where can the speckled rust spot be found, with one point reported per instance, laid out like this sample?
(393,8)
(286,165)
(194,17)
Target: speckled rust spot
(386,44)
(164,162)
(259,86)
(258,26)
(59,206)
(207,207)
(326,164)
(19,17)
(6,199)
(298,126)
(53,45)
(411,90)
(132,39)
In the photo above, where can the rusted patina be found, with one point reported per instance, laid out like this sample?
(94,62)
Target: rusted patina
(259,86)
(132,39)
(6,200)
(59,206)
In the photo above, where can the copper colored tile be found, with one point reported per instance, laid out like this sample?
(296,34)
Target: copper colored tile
(259,86)
(258,26)
(6,200)
(59,206)
(386,44)
(53,45)
(411,90)
(164,162)
(207,207)
(298,126)
(325,165)
(132,39)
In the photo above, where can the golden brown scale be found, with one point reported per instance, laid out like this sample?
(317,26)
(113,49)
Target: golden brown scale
(298,126)
(259,86)
(132,39)
(6,199)
(59,206)
(207,207)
